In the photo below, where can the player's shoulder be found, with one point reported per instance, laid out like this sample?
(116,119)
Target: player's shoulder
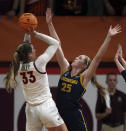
(66,71)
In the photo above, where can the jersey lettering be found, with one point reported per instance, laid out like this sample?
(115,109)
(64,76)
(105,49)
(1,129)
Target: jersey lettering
(25,67)
(28,77)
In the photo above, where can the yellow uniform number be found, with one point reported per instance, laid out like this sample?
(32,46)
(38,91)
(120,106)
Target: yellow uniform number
(66,87)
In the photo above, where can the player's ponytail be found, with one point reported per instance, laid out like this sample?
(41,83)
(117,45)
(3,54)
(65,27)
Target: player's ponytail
(10,78)
(101,89)
(93,79)
(21,55)
(103,92)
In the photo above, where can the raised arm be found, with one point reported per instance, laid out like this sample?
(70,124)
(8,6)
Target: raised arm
(120,62)
(27,37)
(119,59)
(43,59)
(62,61)
(121,56)
(96,60)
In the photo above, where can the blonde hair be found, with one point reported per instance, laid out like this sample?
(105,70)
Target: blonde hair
(94,81)
(87,61)
(21,54)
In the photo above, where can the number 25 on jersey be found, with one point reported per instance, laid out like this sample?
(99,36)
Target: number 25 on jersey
(66,87)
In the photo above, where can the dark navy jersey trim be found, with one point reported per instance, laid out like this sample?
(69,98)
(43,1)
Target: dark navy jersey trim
(37,69)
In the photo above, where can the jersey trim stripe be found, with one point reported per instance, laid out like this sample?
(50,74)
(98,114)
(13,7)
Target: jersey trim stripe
(37,69)
(65,71)
(83,119)
(82,82)
(81,95)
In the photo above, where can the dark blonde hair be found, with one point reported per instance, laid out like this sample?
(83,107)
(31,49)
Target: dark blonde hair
(94,81)
(21,55)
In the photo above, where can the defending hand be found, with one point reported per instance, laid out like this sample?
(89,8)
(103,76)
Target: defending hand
(114,31)
(48,16)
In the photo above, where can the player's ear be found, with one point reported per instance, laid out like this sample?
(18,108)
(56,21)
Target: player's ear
(83,66)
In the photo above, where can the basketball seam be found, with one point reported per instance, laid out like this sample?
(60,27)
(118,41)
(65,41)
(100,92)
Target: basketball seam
(27,23)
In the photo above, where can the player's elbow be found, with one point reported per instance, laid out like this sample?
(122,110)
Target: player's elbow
(57,43)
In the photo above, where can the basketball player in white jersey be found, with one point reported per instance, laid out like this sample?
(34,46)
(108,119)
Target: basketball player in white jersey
(40,107)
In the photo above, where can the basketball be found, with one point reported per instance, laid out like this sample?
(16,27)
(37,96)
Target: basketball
(28,21)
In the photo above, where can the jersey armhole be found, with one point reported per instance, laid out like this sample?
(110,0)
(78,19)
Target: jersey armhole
(65,71)
(81,81)
(37,69)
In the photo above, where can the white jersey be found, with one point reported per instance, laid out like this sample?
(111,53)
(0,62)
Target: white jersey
(33,75)
(35,84)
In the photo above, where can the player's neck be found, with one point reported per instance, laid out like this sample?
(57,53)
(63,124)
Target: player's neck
(75,71)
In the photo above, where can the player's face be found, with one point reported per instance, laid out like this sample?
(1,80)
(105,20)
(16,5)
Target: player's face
(79,61)
(111,81)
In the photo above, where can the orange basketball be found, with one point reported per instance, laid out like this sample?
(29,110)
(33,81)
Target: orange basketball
(28,21)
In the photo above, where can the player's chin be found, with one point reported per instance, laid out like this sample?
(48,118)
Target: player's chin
(73,63)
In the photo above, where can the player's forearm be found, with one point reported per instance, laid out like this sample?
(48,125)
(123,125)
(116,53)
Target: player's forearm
(119,66)
(53,31)
(123,62)
(27,38)
(47,39)
(102,49)
(59,53)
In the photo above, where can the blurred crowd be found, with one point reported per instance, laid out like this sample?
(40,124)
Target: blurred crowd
(64,7)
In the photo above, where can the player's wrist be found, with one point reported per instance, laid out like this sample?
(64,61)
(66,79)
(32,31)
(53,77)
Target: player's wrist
(49,23)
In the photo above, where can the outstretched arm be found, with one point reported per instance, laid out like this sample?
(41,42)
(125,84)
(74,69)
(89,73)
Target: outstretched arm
(27,37)
(43,59)
(120,62)
(121,57)
(118,58)
(62,61)
(96,60)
